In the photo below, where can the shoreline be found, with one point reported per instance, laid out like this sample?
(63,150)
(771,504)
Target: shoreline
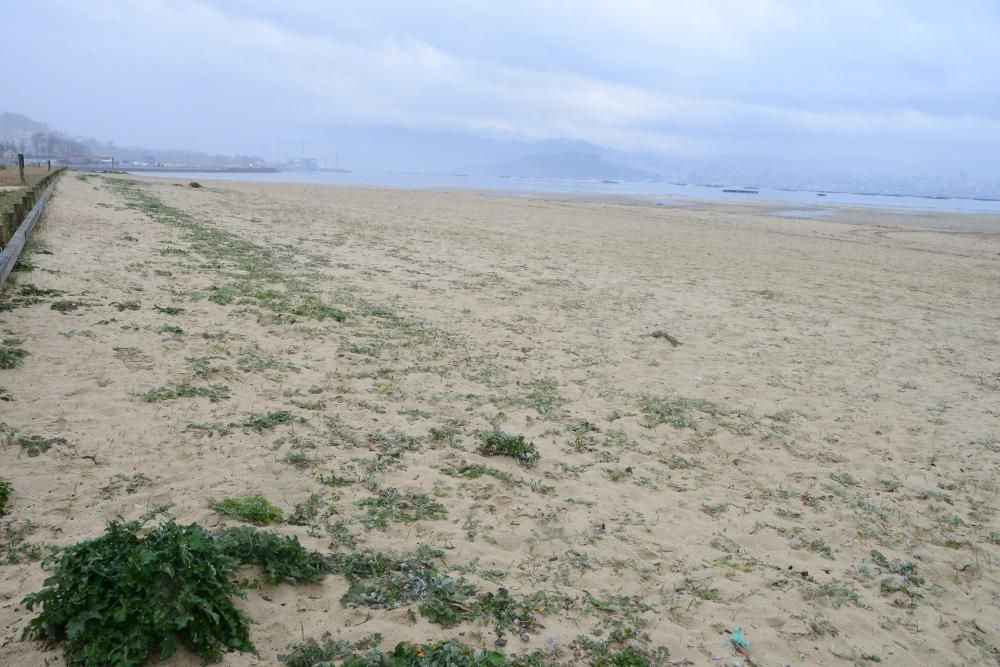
(662,190)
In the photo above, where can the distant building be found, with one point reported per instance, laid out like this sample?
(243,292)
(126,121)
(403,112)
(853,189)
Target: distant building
(303,163)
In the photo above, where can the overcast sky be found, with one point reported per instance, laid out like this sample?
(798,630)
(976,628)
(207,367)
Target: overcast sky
(910,84)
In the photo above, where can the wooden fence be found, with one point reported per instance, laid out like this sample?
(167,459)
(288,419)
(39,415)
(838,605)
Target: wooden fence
(16,225)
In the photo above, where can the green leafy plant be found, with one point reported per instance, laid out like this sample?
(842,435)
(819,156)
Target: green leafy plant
(65,306)
(477,470)
(391,505)
(365,653)
(123,597)
(334,480)
(5,490)
(252,509)
(168,310)
(267,420)
(500,443)
(33,445)
(129,595)
(282,558)
(14,545)
(11,356)
(674,411)
(214,393)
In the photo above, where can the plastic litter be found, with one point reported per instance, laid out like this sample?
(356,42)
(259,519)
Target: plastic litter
(736,639)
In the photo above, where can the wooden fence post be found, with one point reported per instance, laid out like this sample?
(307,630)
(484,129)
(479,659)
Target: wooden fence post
(20,166)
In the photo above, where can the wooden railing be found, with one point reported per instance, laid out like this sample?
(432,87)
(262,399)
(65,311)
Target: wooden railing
(17,224)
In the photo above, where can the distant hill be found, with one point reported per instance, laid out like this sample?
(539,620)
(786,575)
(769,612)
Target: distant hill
(17,129)
(14,126)
(573,165)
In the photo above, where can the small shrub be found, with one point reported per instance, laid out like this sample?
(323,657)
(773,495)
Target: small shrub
(365,653)
(391,505)
(252,509)
(122,598)
(674,411)
(499,443)
(335,480)
(214,393)
(65,306)
(33,445)
(14,545)
(4,496)
(267,420)
(305,513)
(477,470)
(11,356)
(318,310)
(282,558)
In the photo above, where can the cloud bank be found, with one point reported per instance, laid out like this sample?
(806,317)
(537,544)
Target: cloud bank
(851,85)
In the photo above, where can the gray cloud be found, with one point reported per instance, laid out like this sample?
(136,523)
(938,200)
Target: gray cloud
(887,83)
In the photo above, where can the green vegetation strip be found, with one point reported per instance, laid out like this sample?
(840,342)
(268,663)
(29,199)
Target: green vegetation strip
(254,273)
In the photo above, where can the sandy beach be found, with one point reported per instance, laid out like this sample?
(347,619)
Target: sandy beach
(786,425)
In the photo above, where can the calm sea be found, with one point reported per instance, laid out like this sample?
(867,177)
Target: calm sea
(567,186)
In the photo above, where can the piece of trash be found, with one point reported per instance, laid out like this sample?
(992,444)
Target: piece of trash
(737,638)
(698,378)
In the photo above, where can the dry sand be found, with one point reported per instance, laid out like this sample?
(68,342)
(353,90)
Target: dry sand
(836,390)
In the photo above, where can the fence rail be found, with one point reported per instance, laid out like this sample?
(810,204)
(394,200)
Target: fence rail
(17,224)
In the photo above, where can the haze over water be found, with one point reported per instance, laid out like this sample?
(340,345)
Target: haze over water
(571,186)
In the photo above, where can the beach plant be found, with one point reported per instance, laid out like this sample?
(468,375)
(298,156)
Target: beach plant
(477,470)
(214,393)
(33,445)
(391,505)
(335,480)
(674,411)
(383,580)
(365,653)
(264,421)
(11,356)
(131,594)
(306,512)
(14,545)
(5,490)
(65,306)
(125,597)
(129,485)
(500,443)
(543,397)
(256,272)
(252,509)
(168,310)
(659,333)
(282,558)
